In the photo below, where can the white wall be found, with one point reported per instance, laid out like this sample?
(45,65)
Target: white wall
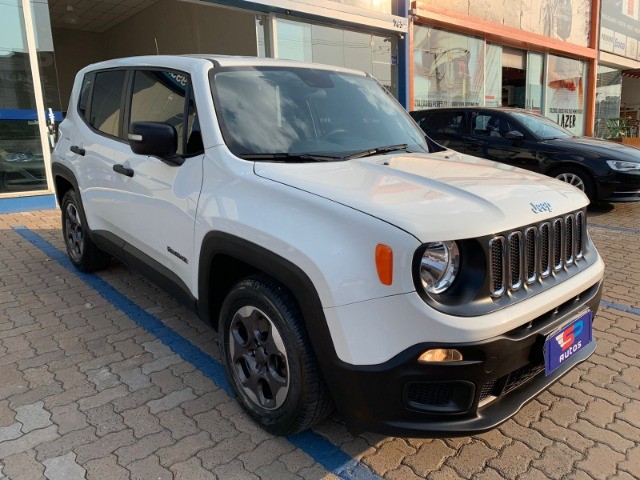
(177,27)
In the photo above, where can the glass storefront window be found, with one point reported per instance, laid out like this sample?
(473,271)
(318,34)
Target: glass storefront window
(448,69)
(21,159)
(608,95)
(565,93)
(493,83)
(310,42)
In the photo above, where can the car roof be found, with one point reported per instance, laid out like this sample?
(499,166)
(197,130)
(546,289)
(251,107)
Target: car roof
(183,62)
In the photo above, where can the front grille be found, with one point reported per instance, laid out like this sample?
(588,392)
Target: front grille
(488,390)
(525,256)
(430,393)
(519,377)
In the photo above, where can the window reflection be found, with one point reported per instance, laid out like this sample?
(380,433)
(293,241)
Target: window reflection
(449,69)
(282,110)
(21,159)
(316,43)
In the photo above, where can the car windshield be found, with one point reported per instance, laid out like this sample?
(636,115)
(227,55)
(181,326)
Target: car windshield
(541,126)
(303,114)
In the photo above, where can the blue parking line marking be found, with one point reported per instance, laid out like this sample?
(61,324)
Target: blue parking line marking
(615,229)
(331,457)
(619,306)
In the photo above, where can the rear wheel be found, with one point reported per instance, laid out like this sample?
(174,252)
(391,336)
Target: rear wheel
(269,360)
(84,254)
(578,178)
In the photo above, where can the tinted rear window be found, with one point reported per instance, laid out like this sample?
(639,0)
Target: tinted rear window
(106,101)
(443,122)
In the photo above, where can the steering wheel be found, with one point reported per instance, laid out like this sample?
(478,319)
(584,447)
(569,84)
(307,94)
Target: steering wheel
(333,133)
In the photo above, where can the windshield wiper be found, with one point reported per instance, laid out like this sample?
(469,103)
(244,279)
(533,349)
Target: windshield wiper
(375,151)
(290,157)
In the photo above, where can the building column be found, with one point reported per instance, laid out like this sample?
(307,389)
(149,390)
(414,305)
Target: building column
(404,59)
(592,72)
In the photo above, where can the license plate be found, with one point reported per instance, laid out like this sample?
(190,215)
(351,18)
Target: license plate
(566,342)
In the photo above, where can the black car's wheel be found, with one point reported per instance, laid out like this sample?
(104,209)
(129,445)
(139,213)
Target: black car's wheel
(578,178)
(83,253)
(269,360)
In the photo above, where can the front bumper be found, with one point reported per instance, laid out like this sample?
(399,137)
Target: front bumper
(619,187)
(498,377)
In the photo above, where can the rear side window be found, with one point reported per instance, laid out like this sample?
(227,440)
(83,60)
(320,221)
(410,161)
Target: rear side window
(443,122)
(160,96)
(106,101)
(85,89)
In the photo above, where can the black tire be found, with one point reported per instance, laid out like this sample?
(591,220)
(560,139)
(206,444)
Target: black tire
(307,400)
(83,253)
(588,183)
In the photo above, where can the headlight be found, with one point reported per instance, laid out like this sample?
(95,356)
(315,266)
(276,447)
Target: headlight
(439,266)
(621,166)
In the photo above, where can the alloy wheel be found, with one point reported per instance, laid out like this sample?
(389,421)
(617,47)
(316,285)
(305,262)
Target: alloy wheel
(259,358)
(571,179)
(73,232)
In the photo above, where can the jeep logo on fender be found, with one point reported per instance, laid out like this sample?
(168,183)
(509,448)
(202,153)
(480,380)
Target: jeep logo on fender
(541,207)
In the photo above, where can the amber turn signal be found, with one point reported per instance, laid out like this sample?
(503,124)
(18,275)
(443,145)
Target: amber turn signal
(384,264)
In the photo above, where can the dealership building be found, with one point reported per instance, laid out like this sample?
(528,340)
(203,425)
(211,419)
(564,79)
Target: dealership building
(575,61)
(44,43)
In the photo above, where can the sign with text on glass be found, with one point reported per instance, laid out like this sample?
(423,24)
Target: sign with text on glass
(620,28)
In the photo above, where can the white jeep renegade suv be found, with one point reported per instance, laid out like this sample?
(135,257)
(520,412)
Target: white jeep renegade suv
(344,258)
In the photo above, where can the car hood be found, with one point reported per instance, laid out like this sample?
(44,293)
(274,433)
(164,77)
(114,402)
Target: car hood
(597,148)
(441,196)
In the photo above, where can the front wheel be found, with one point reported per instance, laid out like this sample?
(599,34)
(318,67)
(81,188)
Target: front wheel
(269,360)
(578,178)
(83,253)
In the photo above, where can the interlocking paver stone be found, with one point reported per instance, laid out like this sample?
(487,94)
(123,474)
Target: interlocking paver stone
(22,466)
(106,467)
(63,468)
(144,447)
(184,449)
(160,364)
(171,400)
(135,379)
(68,418)
(149,468)
(33,416)
(192,470)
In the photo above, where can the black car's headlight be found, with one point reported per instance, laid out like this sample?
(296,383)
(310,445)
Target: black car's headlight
(439,266)
(622,166)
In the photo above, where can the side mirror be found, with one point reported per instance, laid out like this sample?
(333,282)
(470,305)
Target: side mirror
(156,139)
(514,135)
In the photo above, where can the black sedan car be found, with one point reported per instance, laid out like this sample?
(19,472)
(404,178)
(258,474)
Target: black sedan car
(602,169)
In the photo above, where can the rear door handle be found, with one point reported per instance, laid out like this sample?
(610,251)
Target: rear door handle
(123,170)
(77,150)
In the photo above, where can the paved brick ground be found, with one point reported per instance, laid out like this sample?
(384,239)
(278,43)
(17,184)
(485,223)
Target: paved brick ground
(85,393)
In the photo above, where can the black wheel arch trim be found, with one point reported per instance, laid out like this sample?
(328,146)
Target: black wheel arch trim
(64,172)
(287,273)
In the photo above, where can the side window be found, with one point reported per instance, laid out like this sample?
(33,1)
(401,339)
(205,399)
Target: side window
(160,96)
(106,101)
(85,89)
(451,123)
(490,125)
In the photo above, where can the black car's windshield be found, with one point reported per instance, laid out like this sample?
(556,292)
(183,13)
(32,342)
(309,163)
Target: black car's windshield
(301,112)
(541,126)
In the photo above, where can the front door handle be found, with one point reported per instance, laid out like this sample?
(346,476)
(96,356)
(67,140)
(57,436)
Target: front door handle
(123,170)
(78,150)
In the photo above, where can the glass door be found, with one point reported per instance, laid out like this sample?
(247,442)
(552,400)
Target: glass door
(535,76)
(29,99)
